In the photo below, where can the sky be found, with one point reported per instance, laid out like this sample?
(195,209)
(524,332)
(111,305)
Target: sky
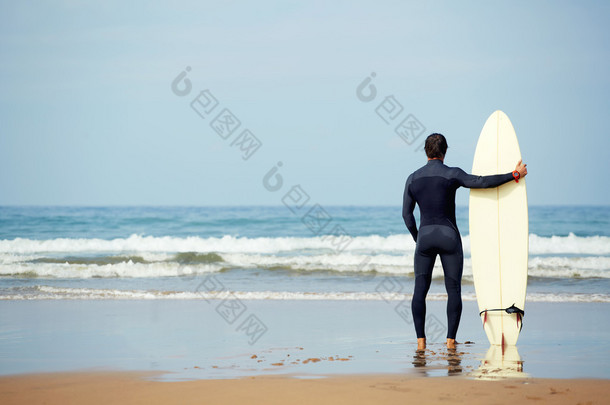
(127,103)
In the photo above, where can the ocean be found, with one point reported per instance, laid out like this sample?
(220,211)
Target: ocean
(271,253)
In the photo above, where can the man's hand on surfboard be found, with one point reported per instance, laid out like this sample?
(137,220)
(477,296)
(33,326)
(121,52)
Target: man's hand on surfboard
(522,169)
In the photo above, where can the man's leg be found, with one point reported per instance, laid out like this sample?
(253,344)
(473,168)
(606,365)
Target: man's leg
(423,278)
(452,267)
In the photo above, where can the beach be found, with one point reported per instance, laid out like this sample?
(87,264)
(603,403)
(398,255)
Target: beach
(247,304)
(126,351)
(130,388)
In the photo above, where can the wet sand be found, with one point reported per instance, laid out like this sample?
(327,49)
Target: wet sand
(138,388)
(155,352)
(190,340)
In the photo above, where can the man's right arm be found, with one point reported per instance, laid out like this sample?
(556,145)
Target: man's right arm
(408,205)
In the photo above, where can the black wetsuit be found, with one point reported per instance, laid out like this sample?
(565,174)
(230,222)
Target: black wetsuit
(433,188)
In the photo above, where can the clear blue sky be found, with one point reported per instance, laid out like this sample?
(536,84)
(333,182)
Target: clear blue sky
(88,116)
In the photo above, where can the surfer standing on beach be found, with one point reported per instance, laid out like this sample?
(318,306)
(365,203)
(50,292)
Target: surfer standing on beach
(432,188)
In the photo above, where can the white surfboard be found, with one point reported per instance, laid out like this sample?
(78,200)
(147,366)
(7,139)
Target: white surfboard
(499,237)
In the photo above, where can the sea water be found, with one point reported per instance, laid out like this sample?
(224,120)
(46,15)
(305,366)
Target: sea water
(272,253)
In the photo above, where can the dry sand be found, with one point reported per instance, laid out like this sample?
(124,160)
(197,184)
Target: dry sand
(136,388)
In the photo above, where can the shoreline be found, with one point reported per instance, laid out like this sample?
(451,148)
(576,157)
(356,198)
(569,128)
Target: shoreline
(138,387)
(198,340)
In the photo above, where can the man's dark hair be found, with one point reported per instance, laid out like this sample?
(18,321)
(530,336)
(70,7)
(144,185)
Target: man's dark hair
(436,146)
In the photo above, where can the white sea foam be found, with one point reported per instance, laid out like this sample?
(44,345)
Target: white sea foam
(393,244)
(540,266)
(138,243)
(48,292)
(556,257)
(125,270)
(571,244)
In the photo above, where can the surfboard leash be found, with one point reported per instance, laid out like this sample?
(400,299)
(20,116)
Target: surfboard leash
(510,310)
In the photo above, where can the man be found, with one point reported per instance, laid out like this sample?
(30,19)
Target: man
(433,188)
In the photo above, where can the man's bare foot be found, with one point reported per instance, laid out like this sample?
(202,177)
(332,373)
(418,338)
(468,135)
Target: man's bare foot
(451,344)
(421,343)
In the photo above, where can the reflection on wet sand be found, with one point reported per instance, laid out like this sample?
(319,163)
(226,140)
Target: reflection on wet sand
(432,363)
(500,362)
